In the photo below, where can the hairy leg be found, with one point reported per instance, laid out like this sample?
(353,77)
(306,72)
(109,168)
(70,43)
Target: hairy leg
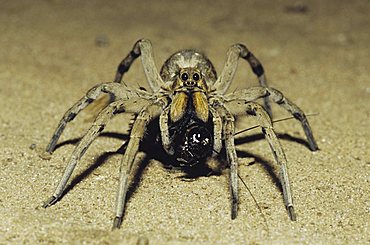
(117,90)
(82,146)
(137,134)
(142,47)
(235,52)
(165,134)
(228,133)
(217,131)
(264,120)
(250,94)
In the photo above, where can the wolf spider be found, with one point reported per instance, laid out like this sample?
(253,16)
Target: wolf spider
(186,97)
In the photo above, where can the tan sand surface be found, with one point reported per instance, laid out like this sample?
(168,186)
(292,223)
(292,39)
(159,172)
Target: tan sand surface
(316,52)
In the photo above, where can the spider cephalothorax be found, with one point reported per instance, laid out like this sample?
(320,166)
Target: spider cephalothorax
(188,58)
(194,112)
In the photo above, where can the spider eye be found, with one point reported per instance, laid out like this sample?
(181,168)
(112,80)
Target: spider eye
(196,76)
(184,76)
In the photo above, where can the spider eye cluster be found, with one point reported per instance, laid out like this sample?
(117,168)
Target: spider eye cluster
(185,76)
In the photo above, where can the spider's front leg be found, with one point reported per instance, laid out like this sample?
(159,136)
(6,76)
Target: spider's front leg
(217,131)
(235,52)
(137,134)
(228,134)
(165,134)
(142,47)
(265,122)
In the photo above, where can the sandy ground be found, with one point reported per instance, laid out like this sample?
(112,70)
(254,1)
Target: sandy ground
(316,52)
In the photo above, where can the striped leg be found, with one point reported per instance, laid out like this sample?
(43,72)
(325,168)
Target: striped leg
(142,47)
(235,52)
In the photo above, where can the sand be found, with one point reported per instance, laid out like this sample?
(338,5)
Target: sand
(315,52)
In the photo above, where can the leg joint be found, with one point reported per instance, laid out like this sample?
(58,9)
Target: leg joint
(243,50)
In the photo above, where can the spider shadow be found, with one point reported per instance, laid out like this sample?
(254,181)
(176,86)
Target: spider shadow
(259,136)
(102,159)
(267,165)
(98,162)
(153,150)
(74,141)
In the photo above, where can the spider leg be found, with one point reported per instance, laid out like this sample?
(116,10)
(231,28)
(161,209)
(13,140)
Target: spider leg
(82,146)
(276,96)
(165,134)
(117,90)
(142,47)
(235,52)
(228,133)
(137,133)
(264,120)
(217,131)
